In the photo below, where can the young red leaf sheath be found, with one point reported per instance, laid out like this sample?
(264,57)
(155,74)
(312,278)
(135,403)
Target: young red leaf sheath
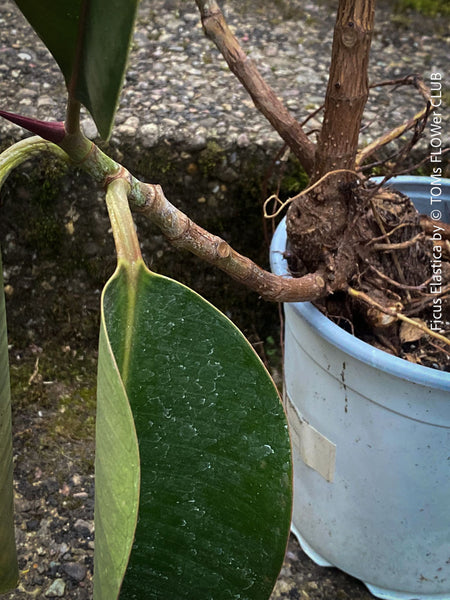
(52,131)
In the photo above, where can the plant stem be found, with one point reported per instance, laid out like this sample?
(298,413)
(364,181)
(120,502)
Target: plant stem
(348,88)
(183,233)
(124,231)
(72,122)
(22,151)
(263,96)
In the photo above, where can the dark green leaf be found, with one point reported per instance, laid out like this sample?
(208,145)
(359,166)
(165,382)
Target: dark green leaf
(90,41)
(8,560)
(215,484)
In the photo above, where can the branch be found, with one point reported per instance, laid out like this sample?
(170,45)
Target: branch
(347,89)
(399,246)
(389,137)
(263,96)
(183,233)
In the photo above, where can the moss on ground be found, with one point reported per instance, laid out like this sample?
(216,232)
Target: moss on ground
(53,394)
(431,8)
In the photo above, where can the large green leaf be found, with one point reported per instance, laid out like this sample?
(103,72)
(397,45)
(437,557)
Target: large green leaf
(90,41)
(8,560)
(213,498)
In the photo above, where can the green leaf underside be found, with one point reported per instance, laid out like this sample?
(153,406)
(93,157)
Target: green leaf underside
(8,559)
(90,41)
(215,497)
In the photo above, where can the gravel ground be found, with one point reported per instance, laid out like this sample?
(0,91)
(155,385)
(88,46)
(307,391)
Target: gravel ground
(189,100)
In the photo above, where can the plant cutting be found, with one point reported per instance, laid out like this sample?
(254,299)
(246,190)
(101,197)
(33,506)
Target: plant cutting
(341,229)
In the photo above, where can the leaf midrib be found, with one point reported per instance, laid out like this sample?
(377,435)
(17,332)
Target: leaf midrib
(132,273)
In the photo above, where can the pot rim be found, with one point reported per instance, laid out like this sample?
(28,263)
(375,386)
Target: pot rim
(344,340)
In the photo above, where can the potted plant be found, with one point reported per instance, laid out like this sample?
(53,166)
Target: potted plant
(175,374)
(370,434)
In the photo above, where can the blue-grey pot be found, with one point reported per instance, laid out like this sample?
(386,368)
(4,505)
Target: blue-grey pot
(371,440)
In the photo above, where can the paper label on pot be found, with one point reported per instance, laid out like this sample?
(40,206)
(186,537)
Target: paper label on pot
(316,451)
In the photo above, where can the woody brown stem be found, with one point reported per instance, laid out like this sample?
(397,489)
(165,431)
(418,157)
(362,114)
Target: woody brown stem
(178,228)
(347,89)
(183,233)
(263,96)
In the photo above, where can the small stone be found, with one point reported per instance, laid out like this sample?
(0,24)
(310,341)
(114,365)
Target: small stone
(170,123)
(63,548)
(84,528)
(33,525)
(242,140)
(9,290)
(129,128)
(312,586)
(45,101)
(57,589)
(197,142)
(284,587)
(89,128)
(149,134)
(75,570)
(77,479)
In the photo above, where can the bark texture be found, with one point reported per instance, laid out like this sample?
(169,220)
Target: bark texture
(348,87)
(324,226)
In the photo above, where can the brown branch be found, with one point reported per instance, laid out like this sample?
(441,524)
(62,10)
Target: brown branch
(347,89)
(388,234)
(183,233)
(418,305)
(413,168)
(389,137)
(263,96)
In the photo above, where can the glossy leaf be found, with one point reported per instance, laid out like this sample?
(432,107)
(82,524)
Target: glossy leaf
(213,499)
(8,560)
(90,41)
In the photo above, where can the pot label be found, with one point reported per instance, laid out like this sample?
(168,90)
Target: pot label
(316,451)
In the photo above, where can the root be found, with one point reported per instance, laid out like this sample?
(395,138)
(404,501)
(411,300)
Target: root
(308,190)
(390,286)
(398,315)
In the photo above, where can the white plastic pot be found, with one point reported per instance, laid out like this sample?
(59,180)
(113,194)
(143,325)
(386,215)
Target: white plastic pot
(371,438)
